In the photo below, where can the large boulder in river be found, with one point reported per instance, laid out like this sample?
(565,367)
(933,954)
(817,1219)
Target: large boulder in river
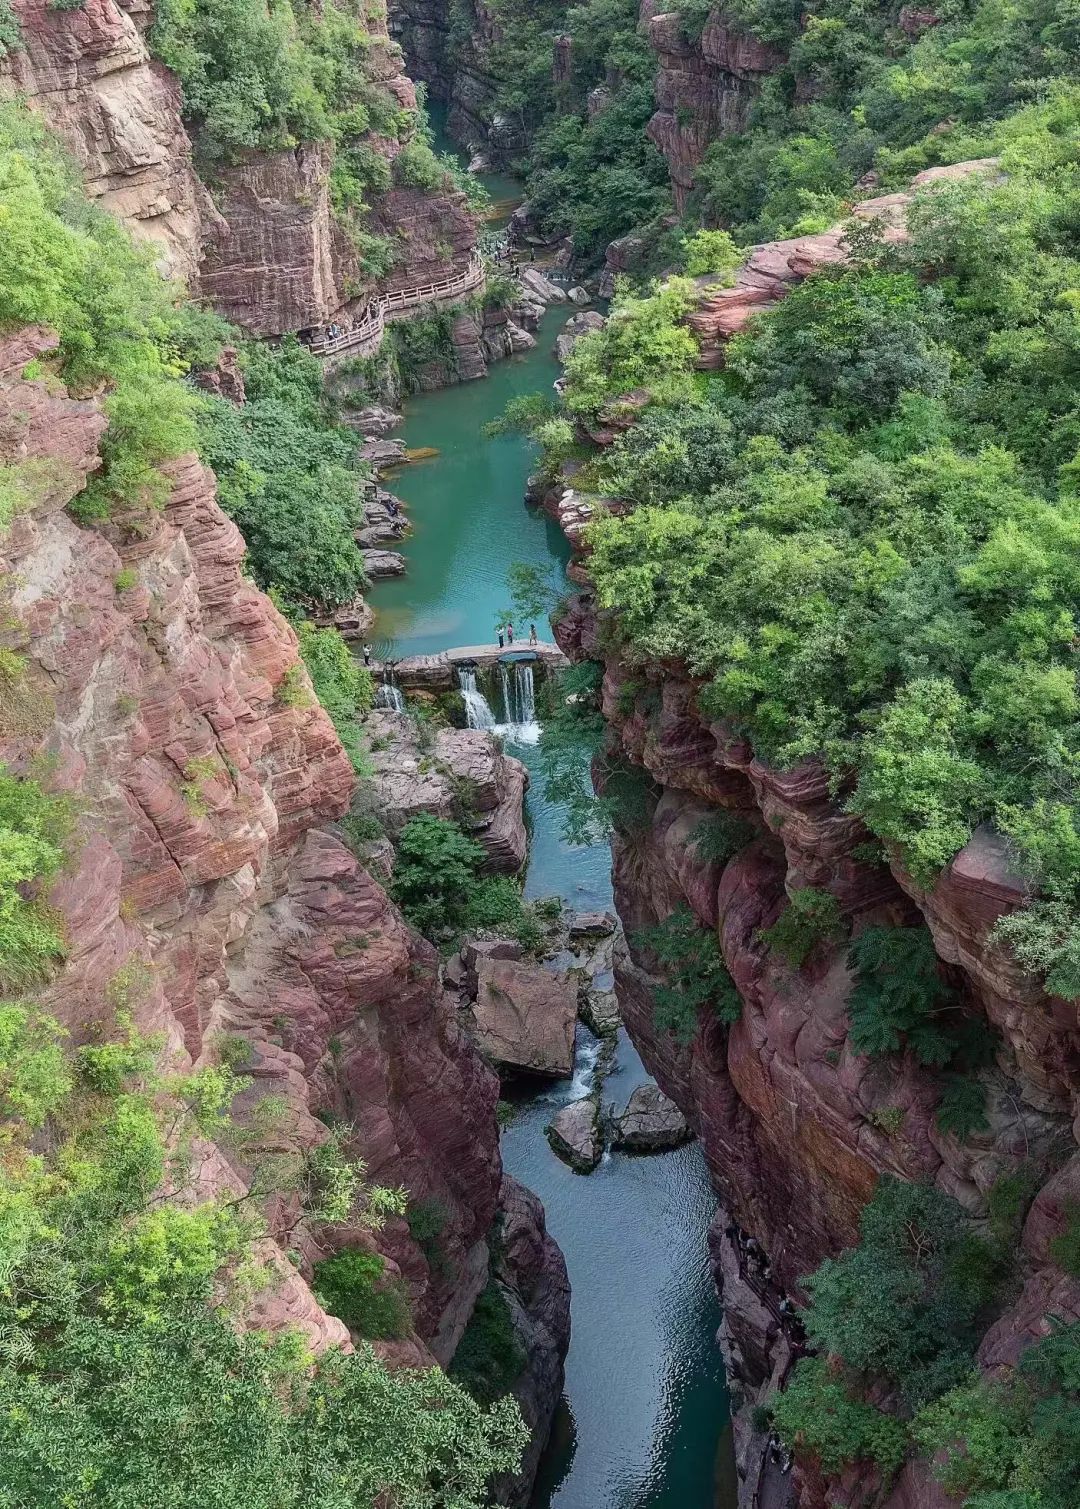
(381,563)
(525,1016)
(576,326)
(540,288)
(575,1135)
(651,1123)
(407,780)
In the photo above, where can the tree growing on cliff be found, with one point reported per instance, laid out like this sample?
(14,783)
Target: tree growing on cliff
(695,975)
(127,1375)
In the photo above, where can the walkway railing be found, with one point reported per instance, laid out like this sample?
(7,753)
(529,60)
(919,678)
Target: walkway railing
(366,335)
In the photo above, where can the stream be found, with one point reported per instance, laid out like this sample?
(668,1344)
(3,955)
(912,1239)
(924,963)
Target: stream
(644,1412)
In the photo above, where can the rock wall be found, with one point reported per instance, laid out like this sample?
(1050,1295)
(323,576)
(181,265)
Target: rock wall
(89,72)
(705,88)
(206,852)
(266,249)
(448,46)
(797,1127)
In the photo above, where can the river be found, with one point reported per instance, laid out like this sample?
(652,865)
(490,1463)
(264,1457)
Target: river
(645,1407)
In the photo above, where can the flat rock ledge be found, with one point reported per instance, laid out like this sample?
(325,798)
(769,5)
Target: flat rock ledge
(575,1135)
(651,1123)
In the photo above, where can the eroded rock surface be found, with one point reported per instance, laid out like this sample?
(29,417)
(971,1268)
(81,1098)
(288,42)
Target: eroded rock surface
(575,1136)
(525,1017)
(651,1123)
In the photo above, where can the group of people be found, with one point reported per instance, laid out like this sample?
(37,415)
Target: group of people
(505,634)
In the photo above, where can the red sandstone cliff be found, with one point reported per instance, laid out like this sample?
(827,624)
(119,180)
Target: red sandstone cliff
(222,876)
(266,250)
(704,88)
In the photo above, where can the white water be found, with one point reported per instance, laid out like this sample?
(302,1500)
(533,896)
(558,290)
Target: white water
(477,712)
(519,725)
(390,698)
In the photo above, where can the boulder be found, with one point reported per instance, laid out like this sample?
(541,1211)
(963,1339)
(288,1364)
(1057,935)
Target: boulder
(381,563)
(540,288)
(375,420)
(525,1017)
(591,924)
(651,1123)
(527,314)
(576,326)
(519,340)
(579,296)
(575,1135)
(384,453)
(599,1010)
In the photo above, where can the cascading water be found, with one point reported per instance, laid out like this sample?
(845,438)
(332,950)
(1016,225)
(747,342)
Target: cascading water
(477,712)
(519,725)
(389,695)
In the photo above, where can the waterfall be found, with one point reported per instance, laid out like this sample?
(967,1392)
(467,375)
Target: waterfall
(389,696)
(519,725)
(477,712)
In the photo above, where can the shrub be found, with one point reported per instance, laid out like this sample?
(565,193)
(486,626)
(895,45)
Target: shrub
(907,1304)
(809,918)
(720,836)
(1065,1247)
(434,872)
(352,1286)
(34,831)
(130,1311)
(815,1414)
(427,1221)
(712,252)
(489,1358)
(697,978)
(345,688)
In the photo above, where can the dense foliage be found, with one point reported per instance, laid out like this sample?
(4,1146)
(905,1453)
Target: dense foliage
(289,475)
(439,884)
(863,534)
(905,1308)
(1012,1442)
(907,1304)
(353,1286)
(70,266)
(592,174)
(34,830)
(119,1310)
(489,1359)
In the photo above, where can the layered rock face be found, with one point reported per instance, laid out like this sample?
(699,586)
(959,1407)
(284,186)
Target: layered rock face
(798,1127)
(266,250)
(451,60)
(704,88)
(203,864)
(88,70)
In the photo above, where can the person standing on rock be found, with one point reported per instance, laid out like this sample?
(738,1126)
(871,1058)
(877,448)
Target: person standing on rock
(532,634)
(367,654)
(509,633)
(499,632)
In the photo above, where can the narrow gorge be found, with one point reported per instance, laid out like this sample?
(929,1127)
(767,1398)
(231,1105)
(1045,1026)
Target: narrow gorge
(539,862)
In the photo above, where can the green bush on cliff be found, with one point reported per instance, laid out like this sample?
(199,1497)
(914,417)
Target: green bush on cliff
(352,1285)
(345,688)
(489,1359)
(1011,1441)
(34,830)
(871,565)
(696,978)
(289,475)
(439,885)
(122,1317)
(809,917)
(69,266)
(910,1302)
(816,1414)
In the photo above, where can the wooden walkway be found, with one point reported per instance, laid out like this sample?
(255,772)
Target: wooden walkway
(365,337)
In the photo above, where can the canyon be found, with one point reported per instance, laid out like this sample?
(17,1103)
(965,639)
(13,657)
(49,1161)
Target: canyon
(164,691)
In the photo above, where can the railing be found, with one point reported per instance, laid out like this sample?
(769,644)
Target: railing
(368,331)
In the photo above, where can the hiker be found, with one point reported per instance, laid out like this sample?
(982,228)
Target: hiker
(509,633)
(532,253)
(391,506)
(367,654)
(532,634)
(500,634)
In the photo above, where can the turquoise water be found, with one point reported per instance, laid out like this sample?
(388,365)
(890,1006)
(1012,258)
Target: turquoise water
(642,1421)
